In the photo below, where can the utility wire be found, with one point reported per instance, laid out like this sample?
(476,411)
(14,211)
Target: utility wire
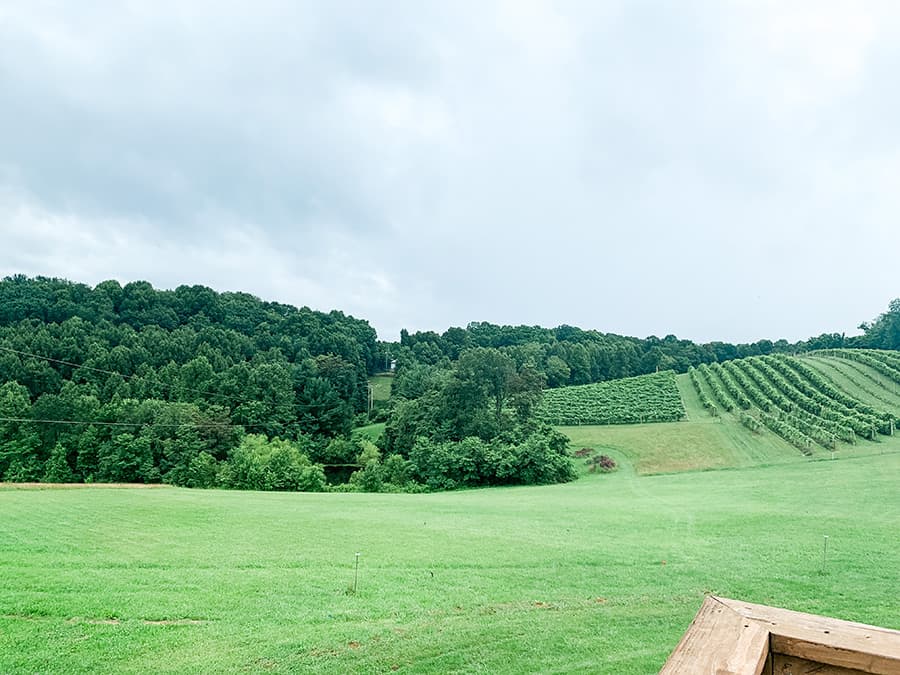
(296,406)
(128,424)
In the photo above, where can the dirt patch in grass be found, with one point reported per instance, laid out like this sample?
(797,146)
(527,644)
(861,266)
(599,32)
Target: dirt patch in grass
(75,486)
(96,622)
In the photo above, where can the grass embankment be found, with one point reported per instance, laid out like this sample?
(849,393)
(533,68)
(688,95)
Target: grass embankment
(370,432)
(601,575)
(381,386)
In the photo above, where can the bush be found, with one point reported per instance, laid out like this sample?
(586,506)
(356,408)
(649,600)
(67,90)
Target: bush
(57,468)
(258,464)
(539,458)
(601,463)
(202,472)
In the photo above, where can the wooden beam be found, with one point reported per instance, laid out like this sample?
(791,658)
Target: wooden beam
(729,637)
(719,642)
(835,642)
(792,665)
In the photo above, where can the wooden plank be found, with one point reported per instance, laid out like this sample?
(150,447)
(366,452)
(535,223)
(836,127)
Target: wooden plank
(719,641)
(854,658)
(792,665)
(835,642)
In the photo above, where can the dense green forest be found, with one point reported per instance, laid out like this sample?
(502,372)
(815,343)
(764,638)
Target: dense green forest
(570,356)
(193,387)
(146,385)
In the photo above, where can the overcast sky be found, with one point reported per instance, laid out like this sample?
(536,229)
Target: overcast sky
(716,170)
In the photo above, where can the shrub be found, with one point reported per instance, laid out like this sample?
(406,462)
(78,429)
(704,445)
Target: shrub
(602,463)
(258,464)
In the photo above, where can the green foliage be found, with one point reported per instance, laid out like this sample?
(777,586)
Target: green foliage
(567,356)
(260,464)
(800,404)
(731,386)
(882,362)
(751,422)
(57,469)
(705,400)
(472,425)
(883,332)
(647,398)
(382,474)
(126,458)
(719,395)
(202,472)
(788,432)
(188,368)
(20,445)
(539,458)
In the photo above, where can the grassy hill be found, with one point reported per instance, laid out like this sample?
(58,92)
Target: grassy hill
(601,575)
(823,405)
(381,387)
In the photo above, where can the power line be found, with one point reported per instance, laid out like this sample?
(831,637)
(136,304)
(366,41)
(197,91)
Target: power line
(195,425)
(296,406)
(104,371)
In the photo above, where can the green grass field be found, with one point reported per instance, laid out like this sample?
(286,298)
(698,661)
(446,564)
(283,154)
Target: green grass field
(600,575)
(371,432)
(381,386)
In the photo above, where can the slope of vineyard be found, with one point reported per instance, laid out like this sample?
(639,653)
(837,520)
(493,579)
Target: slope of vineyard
(757,410)
(811,402)
(632,400)
(858,380)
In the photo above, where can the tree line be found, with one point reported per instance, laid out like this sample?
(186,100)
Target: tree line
(139,384)
(571,356)
(199,388)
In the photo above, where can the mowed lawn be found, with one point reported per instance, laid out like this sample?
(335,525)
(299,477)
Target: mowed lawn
(601,575)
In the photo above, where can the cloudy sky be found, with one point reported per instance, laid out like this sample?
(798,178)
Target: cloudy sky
(716,170)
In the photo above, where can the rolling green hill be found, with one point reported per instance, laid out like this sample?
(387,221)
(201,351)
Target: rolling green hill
(759,410)
(598,576)
(730,476)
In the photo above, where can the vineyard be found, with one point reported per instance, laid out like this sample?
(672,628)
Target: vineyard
(807,401)
(632,400)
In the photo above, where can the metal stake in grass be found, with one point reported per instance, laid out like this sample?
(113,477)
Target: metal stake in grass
(356,573)
(824,552)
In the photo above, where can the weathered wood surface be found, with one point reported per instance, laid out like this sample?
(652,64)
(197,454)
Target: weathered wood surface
(719,642)
(835,642)
(793,665)
(729,637)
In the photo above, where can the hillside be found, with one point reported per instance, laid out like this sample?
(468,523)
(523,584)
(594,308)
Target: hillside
(193,387)
(759,410)
(131,383)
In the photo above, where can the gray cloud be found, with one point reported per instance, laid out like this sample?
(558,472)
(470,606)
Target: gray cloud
(718,171)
